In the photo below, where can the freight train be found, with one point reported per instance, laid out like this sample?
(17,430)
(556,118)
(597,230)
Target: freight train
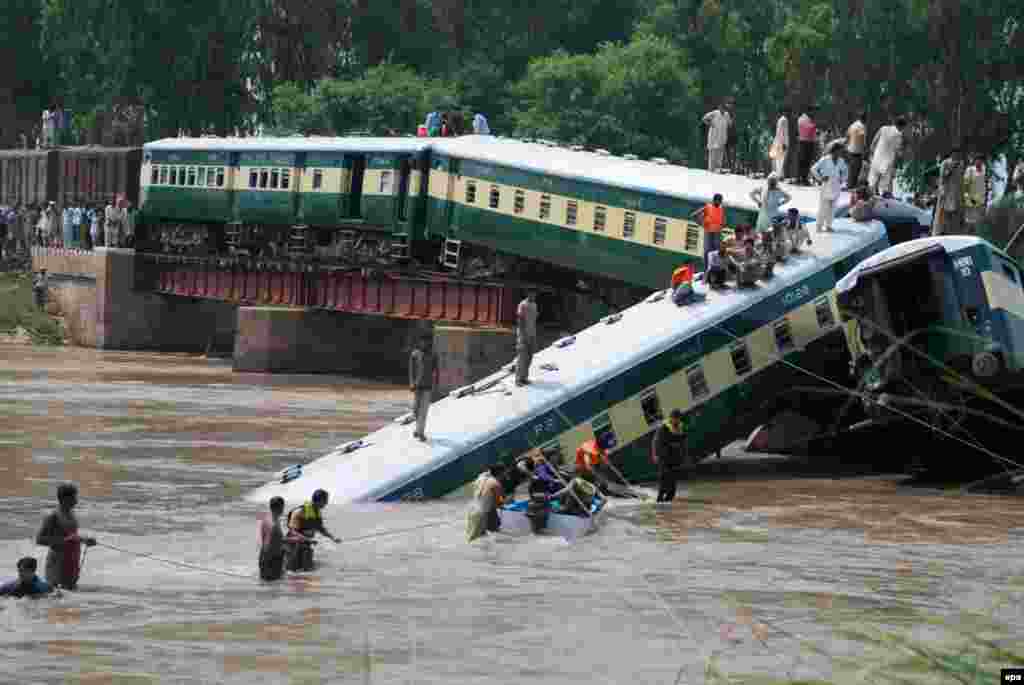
(478,205)
(69,176)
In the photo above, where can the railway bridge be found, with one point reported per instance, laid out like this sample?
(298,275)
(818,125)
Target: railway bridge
(281,316)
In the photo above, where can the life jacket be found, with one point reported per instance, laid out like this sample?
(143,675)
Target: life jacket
(714,218)
(676,441)
(590,455)
(309,514)
(683,274)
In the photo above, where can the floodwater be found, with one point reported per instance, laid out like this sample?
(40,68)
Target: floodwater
(767,579)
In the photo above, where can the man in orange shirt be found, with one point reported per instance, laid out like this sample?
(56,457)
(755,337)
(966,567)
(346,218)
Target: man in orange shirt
(712,215)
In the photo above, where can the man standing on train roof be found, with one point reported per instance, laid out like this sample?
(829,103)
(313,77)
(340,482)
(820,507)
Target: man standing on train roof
(885,148)
(59,532)
(780,144)
(28,584)
(303,524)
(976,195)
(424,374)
(717,121)
(670,454)
(526,336)
(433,123)
(807,138)
(949,211)
(831,172)
(856,141)
(480,125)
(712,215)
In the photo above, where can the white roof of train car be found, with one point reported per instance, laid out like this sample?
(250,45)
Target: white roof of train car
(694,185)
(294,144)
(391,457)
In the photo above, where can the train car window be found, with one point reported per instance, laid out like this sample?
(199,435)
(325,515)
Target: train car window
(740,358)
(660,229)
(824,311)
(545,207)
(264,177)
(651,407)
(318,179)
(274,176)
(220,177)
(201,176)
(154,177)
(697,381)
(604,433)
(254,178)
(191,176)
(570,212)
(286,179)
(520,202)
(692,238)
(174,176)
(629,225)
(470,192)
(495,199)
(211,176)
(1008,270)
(784,336)
(385,183)
(163,175)
(600,215)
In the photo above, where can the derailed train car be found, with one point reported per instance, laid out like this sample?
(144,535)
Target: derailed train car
(71,175)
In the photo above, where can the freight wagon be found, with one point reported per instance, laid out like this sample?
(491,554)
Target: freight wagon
(68,176)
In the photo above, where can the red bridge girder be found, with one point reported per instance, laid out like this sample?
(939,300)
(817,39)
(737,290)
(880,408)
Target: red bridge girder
(393,294)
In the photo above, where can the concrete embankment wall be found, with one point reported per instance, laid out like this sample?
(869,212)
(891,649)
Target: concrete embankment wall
(103,306)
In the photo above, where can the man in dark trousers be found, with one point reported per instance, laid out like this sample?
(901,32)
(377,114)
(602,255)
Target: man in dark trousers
(670,454)
(424,373)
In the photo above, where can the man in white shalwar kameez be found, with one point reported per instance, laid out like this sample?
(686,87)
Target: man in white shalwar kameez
(886,146)
(718,122)
(832,173)
(780,145)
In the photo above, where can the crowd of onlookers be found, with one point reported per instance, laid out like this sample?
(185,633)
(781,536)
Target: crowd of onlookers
(81,226)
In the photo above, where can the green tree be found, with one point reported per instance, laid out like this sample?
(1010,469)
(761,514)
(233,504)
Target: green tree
(26,82)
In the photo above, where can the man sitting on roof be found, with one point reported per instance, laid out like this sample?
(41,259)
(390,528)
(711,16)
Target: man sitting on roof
(748,266)
(716,273)
(682,284)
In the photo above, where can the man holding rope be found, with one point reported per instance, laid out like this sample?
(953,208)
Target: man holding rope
(59,532)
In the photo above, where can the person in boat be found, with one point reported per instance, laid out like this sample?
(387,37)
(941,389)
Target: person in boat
(545,474)
(592,461)
(28,584)
(670,454)
(271,560)
(521,470)
(577,497)
(303,524)
(59,532)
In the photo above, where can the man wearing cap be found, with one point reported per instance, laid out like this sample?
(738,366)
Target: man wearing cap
(424,371)
(670,454)
(526,337)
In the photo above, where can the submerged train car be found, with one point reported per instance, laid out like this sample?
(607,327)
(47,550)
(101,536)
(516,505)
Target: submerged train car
(69,175)
(723,359)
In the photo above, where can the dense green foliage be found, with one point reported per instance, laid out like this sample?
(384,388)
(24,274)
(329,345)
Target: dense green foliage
(18,311)
(627,75)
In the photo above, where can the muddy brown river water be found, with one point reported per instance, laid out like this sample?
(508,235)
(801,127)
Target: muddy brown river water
(762,580)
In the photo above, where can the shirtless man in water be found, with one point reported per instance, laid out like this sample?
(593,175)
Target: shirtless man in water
(59,532)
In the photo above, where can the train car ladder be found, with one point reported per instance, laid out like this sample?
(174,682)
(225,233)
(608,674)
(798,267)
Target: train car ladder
(233,233)
(400,246)
(452,250)
(298,241)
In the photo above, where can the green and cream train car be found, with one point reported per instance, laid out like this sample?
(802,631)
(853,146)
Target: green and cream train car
(442,202)
(724,360)
(224,194)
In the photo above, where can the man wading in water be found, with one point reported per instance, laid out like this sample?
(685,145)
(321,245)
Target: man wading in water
(59,532)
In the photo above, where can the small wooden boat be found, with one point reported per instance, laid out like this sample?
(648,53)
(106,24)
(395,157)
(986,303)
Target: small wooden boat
(514,519)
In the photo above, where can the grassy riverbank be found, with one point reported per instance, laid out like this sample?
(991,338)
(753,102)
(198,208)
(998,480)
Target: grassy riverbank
(19,312)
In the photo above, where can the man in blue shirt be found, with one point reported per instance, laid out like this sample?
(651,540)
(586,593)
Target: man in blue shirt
(28,583)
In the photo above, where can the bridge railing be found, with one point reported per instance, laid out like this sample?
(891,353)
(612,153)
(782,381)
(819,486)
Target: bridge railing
(296,284)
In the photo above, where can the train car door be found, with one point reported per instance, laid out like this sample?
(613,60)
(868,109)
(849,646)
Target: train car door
(357,164)
(453,172)
(404,172)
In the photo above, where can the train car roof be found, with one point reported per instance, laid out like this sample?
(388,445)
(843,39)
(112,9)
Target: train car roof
(294,144)
(693,185)
(390,459)
(951,243)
